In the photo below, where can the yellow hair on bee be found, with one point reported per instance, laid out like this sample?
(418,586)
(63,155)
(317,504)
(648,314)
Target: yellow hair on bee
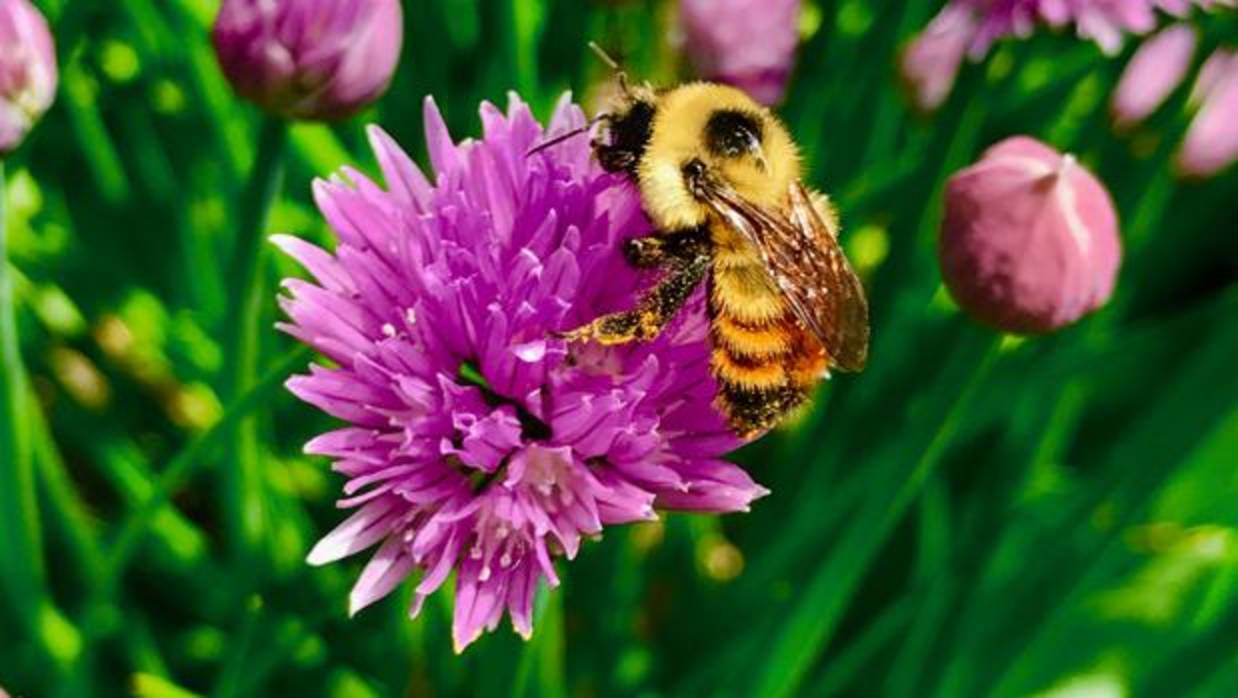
(824,206)
(754,376)
(745,294)
(720,179)
(811,363)
(760,341)
(678,136)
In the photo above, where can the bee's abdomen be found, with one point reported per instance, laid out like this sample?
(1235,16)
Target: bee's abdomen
(758,341)
(748,372)
(745,294)
(765,363)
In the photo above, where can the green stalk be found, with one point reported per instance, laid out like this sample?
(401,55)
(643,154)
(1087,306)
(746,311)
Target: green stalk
(138,521)
(181,467)
(63,503)
(851,660)
(821,604)
(233,670)
(21,562)
(540,669)
(242,476)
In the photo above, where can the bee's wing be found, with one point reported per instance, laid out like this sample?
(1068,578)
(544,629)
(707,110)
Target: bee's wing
(802,254)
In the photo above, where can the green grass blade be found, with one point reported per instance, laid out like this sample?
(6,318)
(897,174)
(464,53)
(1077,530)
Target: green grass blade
(182,466)
(821,604)
(244,485)
(21,557)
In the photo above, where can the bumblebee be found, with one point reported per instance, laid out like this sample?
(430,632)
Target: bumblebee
(720,178)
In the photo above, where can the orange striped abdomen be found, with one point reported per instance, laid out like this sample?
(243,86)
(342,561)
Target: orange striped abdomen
(765,362)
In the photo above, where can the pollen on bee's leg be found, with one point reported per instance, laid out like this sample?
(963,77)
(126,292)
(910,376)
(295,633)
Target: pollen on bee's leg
(644,253)
(616,328)
(648,325)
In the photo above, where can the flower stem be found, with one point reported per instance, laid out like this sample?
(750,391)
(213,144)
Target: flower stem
(243,485)
(821,604)
(64,504)
(21,562)
(137,522)
(540,669)
(179,469)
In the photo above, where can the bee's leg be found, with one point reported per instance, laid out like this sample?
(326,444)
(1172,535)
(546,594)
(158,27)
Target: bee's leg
(645,253)
(654,310)
(614,158)
(679,248)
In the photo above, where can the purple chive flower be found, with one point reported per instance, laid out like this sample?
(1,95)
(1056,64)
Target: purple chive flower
(1153,73)
(1029,242)
(27,71)
(309,59)
(1211,142)
(1103,21)
(746,43)
(478,443)
(973,25)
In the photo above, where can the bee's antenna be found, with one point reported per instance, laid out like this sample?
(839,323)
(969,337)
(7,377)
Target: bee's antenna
(623,85)
(559,139)
(570,134)
(613,64)
(605,57)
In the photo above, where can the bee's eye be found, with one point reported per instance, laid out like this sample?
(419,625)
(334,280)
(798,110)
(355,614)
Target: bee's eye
(731,133)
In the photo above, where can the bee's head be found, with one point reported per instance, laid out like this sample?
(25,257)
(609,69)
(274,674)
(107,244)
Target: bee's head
(628,128)
(704,132)
(629,122)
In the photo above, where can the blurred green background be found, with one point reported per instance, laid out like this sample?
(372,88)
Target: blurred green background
(972,516)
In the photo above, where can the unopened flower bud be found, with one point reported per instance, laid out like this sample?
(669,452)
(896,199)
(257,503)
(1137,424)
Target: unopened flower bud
(746,43)
(27,71)
(309,59)
(1211,142)
(931,61)
(1153,73)
(1221,64)
(1029,242)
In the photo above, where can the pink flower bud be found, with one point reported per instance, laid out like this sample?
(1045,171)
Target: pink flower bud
(932,59)
(1153,73)
(1029,242)
(309,59)
(746,43)
(1221,63)
(1211,142)
(27,71)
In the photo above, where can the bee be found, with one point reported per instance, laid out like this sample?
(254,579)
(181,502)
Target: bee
(720,178)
